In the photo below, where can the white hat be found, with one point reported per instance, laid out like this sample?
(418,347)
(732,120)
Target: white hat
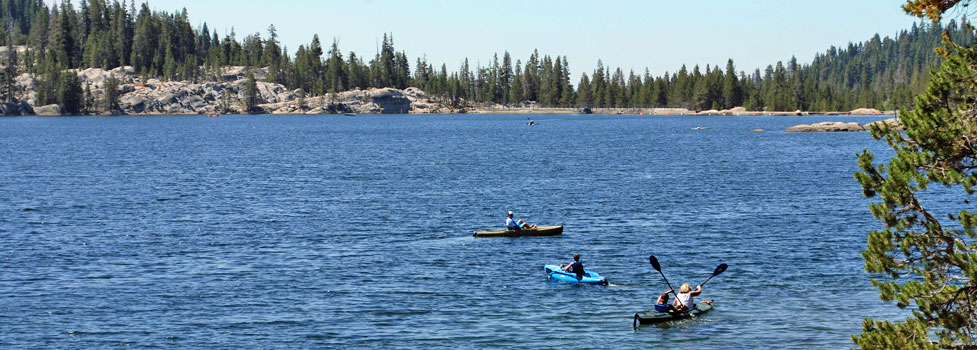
(510,212)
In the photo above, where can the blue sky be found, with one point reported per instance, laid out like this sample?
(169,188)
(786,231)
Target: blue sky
(659,35)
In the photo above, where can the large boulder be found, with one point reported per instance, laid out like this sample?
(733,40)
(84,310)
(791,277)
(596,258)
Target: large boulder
(176,97)
(390,100)
(48,110)
(20,49)
(16,108)
(734,111)
(865,111)
(826,127)
(271,92)
(233,73)
(96,77)
(25,81)
(414,94)
(892,122)
(132,103)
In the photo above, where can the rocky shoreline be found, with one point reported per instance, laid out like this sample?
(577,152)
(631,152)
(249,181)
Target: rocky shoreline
(844,127)
(225,94)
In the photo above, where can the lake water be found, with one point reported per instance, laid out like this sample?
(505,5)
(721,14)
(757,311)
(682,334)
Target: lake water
(250,232)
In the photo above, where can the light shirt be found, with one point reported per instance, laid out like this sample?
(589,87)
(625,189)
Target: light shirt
(509,222)
(685,299)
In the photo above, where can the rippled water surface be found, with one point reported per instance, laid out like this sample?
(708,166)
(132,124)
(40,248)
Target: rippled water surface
(330,231)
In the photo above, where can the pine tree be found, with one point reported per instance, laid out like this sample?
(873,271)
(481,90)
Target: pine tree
(385,64)
(567,96)
(358,77)
(401,70)
(546,94)
(88,107)
(531,84)
(732,92)
(683,88)
(144,41)
(779,89)
(9,72)
(505,78)
(69,92)
(271,56)
(515,91)
(62,41)
(169,64)
(111,95)
(584,97)
(335,70)
(922,261)
(598,86)
(251,93)
(421,75)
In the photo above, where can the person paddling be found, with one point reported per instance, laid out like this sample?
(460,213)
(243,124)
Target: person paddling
(513,224)
(661,305)
(575,267)
(684,298)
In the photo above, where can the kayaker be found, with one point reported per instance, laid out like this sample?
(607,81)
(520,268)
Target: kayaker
(662,304)
(575,267)
(683,299)
(513,224)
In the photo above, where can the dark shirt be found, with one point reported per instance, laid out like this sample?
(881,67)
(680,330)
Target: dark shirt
(576,267)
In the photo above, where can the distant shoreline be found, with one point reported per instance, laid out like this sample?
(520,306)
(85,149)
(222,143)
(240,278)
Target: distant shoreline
(227,96)
(489,111)
(672,111)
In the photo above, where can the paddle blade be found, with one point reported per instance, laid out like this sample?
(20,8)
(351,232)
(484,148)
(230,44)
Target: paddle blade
(720,269)
(654,263)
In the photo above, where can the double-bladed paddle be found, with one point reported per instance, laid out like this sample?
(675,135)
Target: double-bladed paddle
(654,263)
(658,267)
(719,270)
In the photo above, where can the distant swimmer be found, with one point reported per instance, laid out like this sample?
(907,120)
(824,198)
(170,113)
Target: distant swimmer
(531,122)
(700,128)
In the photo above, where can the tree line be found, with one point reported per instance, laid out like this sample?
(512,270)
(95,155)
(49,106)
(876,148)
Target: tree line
(879,73)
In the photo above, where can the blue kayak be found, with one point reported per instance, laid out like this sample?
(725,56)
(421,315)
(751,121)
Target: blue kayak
(589,277)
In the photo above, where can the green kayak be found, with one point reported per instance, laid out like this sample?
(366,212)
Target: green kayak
(652,317)
(539,231)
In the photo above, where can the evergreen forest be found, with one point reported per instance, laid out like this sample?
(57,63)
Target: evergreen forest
(882,73)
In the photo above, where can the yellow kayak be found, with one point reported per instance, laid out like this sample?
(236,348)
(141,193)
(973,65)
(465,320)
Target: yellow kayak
(539,231)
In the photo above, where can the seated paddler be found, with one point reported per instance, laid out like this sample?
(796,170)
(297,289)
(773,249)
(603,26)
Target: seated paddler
(513,224)
(661,305)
